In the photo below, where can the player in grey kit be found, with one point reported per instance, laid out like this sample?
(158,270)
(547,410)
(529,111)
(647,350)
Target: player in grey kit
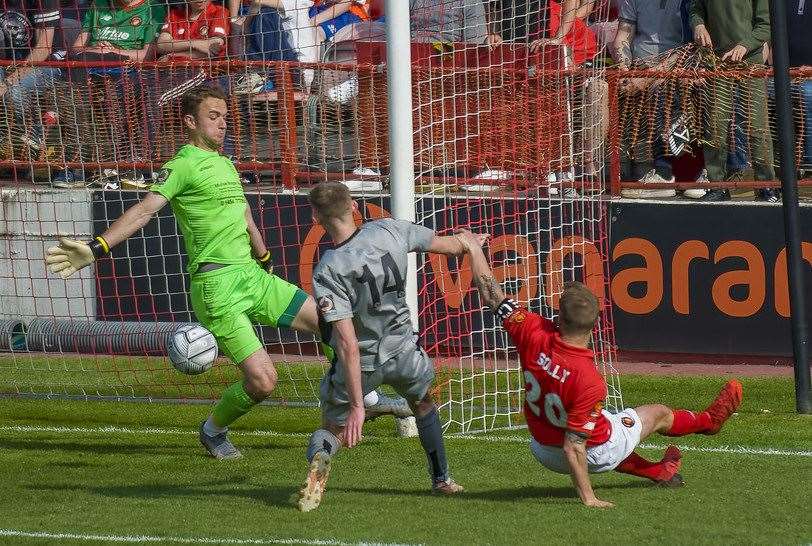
(359,287)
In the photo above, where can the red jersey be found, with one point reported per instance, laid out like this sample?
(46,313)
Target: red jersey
(563,389)
(580,38)
(212,22)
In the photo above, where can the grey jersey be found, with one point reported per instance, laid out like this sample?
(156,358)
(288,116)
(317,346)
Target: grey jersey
(364,278)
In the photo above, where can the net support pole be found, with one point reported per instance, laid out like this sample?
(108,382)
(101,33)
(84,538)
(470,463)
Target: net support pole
(792,222)
(401,144)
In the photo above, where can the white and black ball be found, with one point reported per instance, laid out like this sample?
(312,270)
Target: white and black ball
(192,349)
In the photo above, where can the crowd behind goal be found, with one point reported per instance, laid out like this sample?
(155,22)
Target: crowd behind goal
(86,86)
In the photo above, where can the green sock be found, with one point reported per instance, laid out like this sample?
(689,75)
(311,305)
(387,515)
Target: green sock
(234,403)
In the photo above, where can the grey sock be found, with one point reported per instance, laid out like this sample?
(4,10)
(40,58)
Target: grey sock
(431,438)
(322,440)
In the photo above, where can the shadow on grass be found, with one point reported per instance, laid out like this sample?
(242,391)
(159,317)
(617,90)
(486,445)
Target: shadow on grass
(280,496)
(112,448)
(504,495)
(99,448)
(232,487)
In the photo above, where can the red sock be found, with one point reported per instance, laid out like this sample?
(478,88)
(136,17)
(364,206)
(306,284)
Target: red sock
(688,422)
(636,465)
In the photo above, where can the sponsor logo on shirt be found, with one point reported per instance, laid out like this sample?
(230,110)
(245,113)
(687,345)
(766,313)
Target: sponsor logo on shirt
(204,31)
(136,21)
(325,304)
(110,33)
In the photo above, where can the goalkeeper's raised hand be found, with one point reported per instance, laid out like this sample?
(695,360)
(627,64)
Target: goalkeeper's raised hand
(69,257)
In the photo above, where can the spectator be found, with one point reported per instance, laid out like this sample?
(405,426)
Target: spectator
(519,21)
(120,29)
(123,31)
(799,23)
(195,29)
(591,105)
(580,38)
(262,25)
(450,21)
(198,29)
(330,16)
(736,30)
(646,30)
(32,32)
(528,21)
(604,23)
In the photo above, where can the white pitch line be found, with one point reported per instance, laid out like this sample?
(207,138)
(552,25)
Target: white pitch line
(140,539)
(736,450)
(146,430)
(732,450)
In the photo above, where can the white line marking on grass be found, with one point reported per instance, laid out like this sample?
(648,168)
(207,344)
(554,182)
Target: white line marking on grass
(136,539)
(733,450)
(736,450)
(146,430)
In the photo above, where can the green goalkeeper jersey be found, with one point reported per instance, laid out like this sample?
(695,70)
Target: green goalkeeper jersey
(206,196)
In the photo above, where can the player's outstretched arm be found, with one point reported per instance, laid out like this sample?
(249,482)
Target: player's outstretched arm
(72,255)
(575,452)
(349,356)
(490,293)
(454,245)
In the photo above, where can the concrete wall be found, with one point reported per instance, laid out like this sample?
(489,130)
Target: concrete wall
(31,219)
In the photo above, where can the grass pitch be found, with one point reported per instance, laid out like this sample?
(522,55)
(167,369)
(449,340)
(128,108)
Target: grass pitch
(77,472)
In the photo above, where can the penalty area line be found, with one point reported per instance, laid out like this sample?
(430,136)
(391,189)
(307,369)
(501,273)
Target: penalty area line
(140,539)
(730,450)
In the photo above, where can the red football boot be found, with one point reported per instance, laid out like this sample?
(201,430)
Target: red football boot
(670,463)
(727,402)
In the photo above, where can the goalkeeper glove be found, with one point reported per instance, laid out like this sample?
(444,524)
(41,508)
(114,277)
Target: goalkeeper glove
(265,261)
(71,255)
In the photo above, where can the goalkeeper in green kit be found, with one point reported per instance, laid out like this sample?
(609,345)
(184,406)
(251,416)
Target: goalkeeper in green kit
(230,267)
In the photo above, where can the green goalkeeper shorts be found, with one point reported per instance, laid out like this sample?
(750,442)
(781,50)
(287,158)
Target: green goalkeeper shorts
(229,300)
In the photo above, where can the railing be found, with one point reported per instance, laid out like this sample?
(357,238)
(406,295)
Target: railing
(476,109)
(696,94)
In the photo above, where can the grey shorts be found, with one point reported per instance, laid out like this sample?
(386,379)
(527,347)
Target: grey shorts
(411,374)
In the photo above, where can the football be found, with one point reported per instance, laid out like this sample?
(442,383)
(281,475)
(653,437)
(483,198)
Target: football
(192,349)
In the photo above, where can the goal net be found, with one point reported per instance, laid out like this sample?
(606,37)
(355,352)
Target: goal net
(509,140)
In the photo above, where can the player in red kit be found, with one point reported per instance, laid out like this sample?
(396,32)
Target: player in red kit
(565,393)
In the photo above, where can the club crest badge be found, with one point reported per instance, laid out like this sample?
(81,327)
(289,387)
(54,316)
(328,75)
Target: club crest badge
(163,176)
(325,304)
(627,422)
(518,317)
